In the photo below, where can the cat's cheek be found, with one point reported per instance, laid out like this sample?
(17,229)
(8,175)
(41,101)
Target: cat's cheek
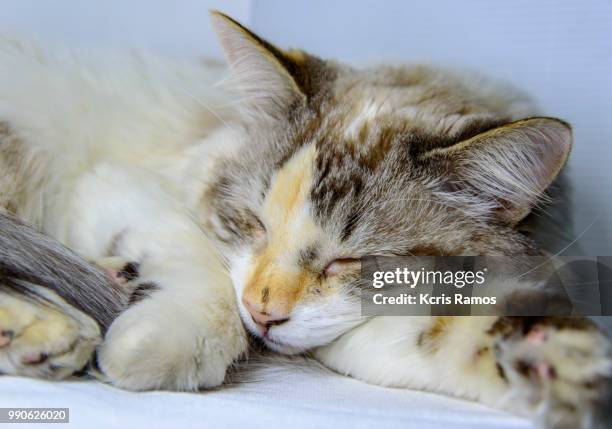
(215,225)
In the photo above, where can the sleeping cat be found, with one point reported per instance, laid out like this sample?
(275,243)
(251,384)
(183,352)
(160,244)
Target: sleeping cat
(285,180)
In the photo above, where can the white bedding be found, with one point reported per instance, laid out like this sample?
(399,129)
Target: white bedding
(291,398)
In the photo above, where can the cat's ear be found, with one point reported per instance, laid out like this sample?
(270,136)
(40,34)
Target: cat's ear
(510,166)
(264,76)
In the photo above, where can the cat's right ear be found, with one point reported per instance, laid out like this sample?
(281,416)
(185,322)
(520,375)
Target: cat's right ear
(265,77)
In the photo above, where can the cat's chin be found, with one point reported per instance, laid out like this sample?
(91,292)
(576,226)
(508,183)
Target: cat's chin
(273,343)
(280,347)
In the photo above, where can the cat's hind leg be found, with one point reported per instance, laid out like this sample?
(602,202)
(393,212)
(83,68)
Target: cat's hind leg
(44,337)
(54,305)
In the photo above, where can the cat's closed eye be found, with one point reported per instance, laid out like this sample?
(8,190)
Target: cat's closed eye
(258,226)
(342,266)
(258,233)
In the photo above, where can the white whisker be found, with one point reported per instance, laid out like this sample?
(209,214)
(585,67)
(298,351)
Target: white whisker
(562,250)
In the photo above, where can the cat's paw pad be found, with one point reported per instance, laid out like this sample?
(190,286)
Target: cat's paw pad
(6,336)
(40,341)
(559,370)
(127,274)
(120,270)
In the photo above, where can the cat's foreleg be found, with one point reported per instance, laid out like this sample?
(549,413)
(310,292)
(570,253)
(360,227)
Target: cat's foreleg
(181,332)
(555,370)
(182,329)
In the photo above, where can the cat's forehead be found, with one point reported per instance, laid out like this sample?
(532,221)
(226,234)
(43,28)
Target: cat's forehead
(419,98)
(333,177)
(351,161)
(361,153)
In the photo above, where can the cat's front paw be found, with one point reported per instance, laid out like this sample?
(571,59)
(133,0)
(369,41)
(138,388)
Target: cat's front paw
(41,341)
(156,345)
(560,370)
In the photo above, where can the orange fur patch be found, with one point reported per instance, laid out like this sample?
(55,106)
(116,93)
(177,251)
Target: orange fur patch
(431,337)
(274,275)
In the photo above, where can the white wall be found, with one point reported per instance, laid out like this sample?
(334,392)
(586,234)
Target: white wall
(560,51)
(179,28)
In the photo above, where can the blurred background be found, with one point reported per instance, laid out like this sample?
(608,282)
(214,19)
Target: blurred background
(559,51)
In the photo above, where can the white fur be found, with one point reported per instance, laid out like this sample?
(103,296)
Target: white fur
(384,351)
(119,151)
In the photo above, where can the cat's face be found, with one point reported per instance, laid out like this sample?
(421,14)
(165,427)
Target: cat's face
(337,164)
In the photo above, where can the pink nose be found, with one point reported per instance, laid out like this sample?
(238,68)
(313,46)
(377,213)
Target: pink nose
(264,319)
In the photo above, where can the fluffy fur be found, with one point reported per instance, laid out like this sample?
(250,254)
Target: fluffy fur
(285,179)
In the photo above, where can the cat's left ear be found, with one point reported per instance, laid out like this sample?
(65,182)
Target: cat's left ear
(509,167)
(269,80)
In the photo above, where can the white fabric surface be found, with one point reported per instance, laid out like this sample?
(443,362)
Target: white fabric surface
(290,397)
